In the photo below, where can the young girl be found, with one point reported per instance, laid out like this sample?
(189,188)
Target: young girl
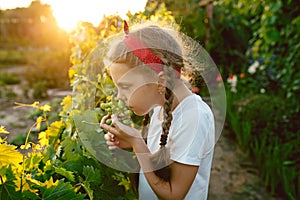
(176,154)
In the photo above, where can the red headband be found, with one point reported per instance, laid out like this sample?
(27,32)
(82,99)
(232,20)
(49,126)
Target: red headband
(143,52)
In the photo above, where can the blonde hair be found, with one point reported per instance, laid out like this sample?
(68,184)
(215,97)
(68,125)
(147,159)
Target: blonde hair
(164,46)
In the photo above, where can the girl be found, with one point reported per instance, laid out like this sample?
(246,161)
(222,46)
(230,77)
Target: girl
(176,154)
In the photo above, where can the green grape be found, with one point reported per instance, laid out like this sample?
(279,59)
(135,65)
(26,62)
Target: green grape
(108,110)
(126,121)
(121,104)
(128,113)
(103,105)
(108,121)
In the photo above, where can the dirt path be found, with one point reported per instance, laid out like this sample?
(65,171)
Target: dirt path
(233,175)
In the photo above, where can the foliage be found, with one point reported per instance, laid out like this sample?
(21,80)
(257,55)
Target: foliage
(62,165)
(264,130)
(256,47)
(11,57)
(48,66)
(8,79)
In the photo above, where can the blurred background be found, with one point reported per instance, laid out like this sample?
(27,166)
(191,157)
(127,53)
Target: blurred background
(255,45)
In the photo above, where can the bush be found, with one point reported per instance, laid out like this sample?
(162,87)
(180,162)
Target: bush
(8,78)
(270,135)
(49,66)
(11,57)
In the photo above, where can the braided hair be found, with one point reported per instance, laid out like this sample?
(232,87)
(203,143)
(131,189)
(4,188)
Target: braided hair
(158,40)
(161,159)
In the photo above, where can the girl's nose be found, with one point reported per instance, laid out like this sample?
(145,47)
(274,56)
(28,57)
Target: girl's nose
(121,96)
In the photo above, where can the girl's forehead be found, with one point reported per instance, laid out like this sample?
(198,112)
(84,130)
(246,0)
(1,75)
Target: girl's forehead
(124,73)
(117,70)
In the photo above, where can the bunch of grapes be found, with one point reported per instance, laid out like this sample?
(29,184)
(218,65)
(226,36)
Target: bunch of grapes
(117,107)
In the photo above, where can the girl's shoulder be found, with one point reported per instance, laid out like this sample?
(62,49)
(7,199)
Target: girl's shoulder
(192,103)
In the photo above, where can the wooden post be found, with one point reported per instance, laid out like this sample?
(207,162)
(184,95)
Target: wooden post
(209,16)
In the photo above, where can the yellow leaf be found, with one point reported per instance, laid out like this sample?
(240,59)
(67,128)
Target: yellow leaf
(27,186)
(67,104)
(36,147)
(27,146)
(3,179)
(8,155)
(47,166)
(54,129)
(3,130)
(38,122)
(45,108)
(71,73)
(43,139)
(35,104)
(49,183)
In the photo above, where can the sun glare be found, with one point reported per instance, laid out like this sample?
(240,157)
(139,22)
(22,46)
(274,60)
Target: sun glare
(69,12)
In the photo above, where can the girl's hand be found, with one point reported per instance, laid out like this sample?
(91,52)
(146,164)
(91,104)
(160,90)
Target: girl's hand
(119,135)
(114,142)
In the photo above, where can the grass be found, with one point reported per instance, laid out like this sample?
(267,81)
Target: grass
(11,57)
(8,78)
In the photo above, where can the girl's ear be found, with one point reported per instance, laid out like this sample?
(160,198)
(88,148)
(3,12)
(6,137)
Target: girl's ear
(161,83)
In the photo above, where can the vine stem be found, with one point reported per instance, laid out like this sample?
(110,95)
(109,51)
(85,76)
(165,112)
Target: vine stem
(23,159)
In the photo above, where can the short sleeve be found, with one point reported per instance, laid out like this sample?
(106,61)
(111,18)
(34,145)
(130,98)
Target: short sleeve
(192,134)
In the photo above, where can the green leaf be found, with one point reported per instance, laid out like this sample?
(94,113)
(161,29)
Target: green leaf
(272,34)
(91,135)
(8,189)
(29,195)
(91,174)
(71,148)
(88,189)
(68,174)
(62,191)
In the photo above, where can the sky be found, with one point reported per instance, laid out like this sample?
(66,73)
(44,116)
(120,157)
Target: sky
(69,12)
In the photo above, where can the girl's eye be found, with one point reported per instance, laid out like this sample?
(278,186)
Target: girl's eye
(124,87)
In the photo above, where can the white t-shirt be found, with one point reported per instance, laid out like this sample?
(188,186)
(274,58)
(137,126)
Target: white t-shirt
(191,141)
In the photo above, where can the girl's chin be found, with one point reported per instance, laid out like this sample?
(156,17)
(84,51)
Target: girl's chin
(139,112)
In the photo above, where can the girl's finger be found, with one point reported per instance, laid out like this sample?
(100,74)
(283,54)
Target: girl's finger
(107,127)
(109,136)
(112,147)
(110,143)
(103,120)
(115,121)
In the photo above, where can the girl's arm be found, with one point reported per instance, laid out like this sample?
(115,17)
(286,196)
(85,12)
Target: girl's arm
(182,175)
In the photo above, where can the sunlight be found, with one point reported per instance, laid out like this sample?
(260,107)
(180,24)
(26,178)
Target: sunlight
(68,12)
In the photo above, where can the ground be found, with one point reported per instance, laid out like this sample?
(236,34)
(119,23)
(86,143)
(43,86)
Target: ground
(233,175)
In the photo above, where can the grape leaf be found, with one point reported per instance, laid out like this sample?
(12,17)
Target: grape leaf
(8,155)
(87,188)
(91,174)
(92,136)
(68,174)
(7,189)
(61,192)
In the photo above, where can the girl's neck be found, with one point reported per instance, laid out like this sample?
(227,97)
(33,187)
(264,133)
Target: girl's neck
(181,91)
